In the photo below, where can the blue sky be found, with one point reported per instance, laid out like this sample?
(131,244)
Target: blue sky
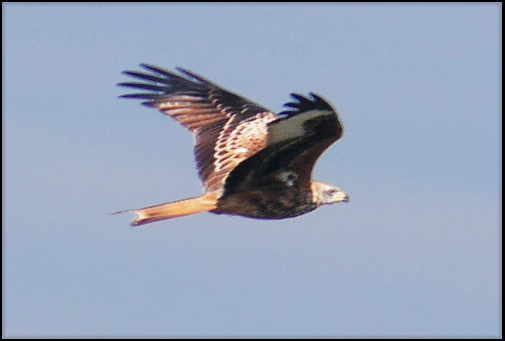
(416,252)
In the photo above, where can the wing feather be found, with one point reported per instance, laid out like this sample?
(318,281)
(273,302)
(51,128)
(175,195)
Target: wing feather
(228,128)
(295,142)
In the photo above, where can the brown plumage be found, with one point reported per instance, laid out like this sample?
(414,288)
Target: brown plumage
(252,162)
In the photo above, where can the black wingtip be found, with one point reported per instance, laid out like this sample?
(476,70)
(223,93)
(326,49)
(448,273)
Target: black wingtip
(194,76)
(303,103)
(153,68)
(155,81)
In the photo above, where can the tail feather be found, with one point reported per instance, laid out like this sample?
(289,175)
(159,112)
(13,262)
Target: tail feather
(181,208)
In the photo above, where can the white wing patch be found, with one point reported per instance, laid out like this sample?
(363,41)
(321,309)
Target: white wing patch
(236,143)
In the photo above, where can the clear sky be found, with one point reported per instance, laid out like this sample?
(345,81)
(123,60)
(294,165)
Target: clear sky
(416,252)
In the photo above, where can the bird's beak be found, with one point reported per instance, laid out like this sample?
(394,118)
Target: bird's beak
(341,196)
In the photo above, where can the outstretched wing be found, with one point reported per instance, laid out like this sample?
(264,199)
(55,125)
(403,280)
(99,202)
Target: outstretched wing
(228,128)
(295,141)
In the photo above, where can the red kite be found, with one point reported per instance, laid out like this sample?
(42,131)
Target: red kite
(252,162)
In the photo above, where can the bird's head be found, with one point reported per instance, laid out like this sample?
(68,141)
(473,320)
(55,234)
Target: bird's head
(323,194)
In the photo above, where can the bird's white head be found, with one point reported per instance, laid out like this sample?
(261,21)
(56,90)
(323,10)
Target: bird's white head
(323,194)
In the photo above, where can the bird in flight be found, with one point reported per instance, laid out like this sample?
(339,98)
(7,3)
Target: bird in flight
(252,161)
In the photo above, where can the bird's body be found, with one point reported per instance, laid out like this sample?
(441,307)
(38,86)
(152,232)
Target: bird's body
(252,162)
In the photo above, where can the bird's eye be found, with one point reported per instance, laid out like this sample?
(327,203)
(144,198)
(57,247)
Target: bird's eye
(329,193)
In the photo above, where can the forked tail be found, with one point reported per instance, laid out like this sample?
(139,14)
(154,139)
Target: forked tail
(181,208)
